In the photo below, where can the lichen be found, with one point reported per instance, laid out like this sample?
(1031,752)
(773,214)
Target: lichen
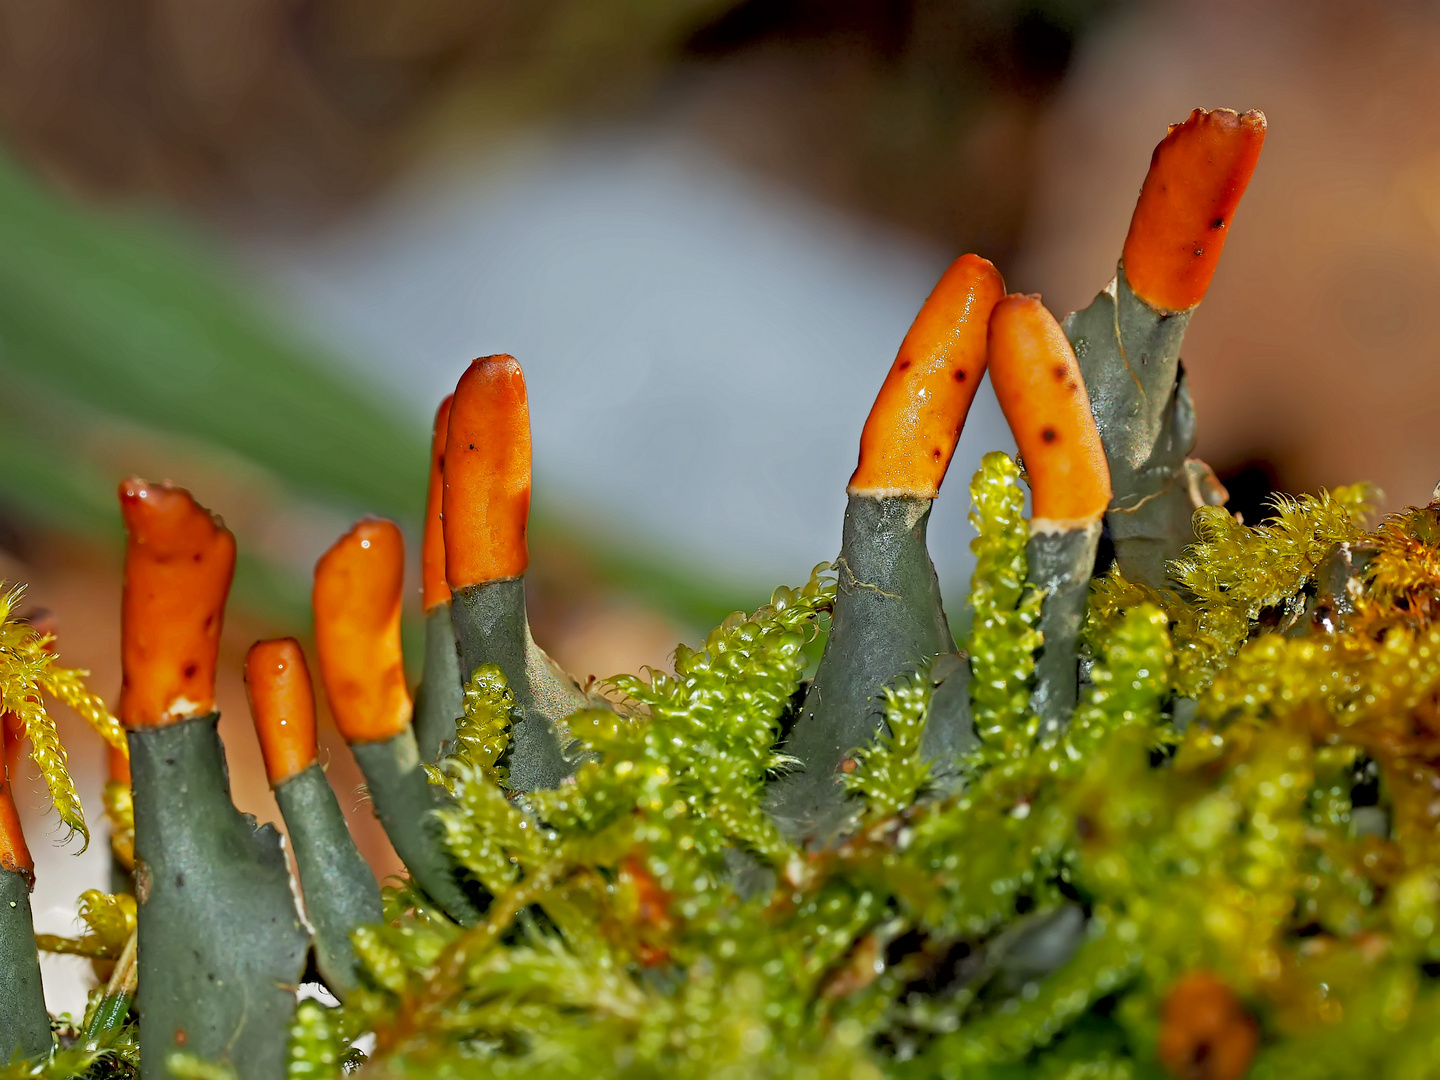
(1243,802)
(1255,847)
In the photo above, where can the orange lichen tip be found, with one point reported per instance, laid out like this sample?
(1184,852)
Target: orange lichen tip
(1037,380)
(1205,1031)
(14,854)
(911,432)
(282,705)
(487,475)
(356,600)
(434,588)
(179,559)
(1197,176)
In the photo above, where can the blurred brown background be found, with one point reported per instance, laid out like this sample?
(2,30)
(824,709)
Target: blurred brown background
(1017,128)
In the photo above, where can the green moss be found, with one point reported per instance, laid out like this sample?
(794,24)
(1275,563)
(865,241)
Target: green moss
(622,943)
(649,919)
(29,673)
(1003,635)
(115,1056)
(483,733)
(891,773)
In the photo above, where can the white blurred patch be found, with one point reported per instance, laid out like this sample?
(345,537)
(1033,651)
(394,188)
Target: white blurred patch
(701,350)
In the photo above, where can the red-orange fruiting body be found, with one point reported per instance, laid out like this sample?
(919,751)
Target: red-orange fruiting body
(14,854)
(1197,175)
(1205,1031)
(487,474)
(356,600)
(282,704)
(1037,380)
(434,588)
(179,559)
(911,432)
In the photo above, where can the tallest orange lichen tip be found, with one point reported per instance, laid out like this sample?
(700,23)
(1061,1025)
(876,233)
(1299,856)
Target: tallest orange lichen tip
(1197,176)
(487,475)
(179,561)
(914,425)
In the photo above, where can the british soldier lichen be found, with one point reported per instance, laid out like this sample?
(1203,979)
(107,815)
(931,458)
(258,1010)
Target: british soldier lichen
(1181,820)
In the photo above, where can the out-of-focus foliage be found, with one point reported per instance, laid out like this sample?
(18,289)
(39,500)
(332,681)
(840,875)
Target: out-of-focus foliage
(287,109)
(104,313)
(116,331)
(28,673)
(1058,917)
(299,104)
(1272,856)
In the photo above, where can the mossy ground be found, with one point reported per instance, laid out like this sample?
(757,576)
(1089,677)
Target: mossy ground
(1247,798)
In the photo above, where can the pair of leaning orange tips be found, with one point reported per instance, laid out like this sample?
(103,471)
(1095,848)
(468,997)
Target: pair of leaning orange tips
(180,558)
(967,325)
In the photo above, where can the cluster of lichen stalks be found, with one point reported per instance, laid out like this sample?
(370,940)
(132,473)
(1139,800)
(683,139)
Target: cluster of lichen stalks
(1173,810)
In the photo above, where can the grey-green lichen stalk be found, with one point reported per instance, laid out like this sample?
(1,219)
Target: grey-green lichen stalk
(1221,863)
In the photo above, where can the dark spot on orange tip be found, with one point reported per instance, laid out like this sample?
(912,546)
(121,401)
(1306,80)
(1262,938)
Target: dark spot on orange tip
(927,392)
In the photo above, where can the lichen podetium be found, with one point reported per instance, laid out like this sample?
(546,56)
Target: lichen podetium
(1171,811)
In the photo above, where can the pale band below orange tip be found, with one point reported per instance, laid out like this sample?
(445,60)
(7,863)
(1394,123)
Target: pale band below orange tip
(1197,176)
(179,561)
(434,587)
(1043,397)
(913,427)
(359,585)
(14,852)
(282,704)
(487,475)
